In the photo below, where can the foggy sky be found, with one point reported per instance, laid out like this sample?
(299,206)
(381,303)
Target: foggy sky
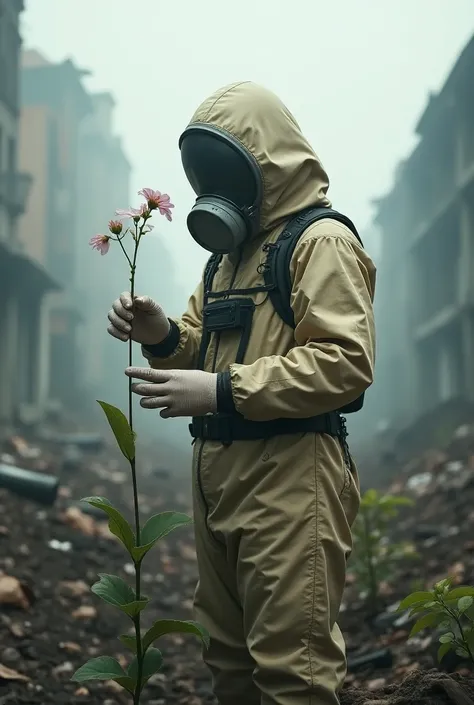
(355,73)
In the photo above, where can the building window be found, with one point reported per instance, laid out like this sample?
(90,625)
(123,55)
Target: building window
(436,269)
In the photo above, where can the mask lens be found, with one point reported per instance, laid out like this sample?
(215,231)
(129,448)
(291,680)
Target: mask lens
(213,166)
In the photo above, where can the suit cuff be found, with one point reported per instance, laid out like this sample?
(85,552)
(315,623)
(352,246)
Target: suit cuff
(167,346)
(225,399)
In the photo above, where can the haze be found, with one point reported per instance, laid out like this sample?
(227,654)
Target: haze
(355,74)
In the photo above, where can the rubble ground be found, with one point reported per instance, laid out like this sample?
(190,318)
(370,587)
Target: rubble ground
(50,622)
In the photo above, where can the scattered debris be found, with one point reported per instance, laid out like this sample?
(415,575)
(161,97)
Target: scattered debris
(64,546)
(60,550)
(14,593)
(85,612)
(79,521)
(70,647)
(9,674)
(76,588)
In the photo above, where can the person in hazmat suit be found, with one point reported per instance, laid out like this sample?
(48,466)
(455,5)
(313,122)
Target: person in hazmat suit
(275,490)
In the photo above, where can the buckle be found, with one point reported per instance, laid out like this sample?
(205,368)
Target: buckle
(334,424)
(212,428)
(195,428)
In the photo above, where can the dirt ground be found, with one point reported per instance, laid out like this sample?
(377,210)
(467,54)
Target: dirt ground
(420,688)
(50,623)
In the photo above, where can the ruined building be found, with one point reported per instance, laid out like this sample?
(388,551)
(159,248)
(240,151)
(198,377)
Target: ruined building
(24,282)
(425,295)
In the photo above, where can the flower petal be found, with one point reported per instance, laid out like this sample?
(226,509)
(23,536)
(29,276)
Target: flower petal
(146,193)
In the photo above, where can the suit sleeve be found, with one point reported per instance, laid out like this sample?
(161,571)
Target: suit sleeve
(332,361)
(181,348)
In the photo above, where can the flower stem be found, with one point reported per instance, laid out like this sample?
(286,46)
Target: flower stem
(137,622)
(119,240)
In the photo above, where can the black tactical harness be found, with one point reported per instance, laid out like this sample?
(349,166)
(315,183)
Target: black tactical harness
(221,313)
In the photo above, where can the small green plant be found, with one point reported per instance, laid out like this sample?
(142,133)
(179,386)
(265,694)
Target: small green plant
(451,610)
(146,659)
(374,557)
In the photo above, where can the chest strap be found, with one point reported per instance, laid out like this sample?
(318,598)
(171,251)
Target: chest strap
(227,428)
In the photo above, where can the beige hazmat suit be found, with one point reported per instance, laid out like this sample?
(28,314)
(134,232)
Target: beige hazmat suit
(273,517)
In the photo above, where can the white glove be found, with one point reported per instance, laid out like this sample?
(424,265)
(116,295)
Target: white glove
(143,320)
(177,392)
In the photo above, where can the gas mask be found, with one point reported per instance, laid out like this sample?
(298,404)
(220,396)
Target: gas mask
(227,182)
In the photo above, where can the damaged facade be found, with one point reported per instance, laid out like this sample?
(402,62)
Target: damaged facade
(23,281)
(54,102)
(79,170)
(57,153)
(425,298)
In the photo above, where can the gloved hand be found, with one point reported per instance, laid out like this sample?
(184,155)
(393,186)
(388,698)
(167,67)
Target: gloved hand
(143,320)
(177,392)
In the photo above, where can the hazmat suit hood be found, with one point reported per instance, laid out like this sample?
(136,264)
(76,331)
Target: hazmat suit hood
(281,169)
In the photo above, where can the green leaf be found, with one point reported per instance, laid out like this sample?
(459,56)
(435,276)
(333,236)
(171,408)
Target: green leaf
(156,528)
(102,668)
(417,609)
(169,626)
(126,682)
(443,650)
(461,591)
(464,603)
(121,428)
(133,608)
(152,662)
(415,598)
(443,585)
(115,591)
(162,524)
(428,620)
(461,651)
(396,501)
(447,638)
(129,641)
(369,498)
(118,525)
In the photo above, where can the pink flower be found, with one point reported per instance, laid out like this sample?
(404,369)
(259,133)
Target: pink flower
(135,213)
(115,227)
(100,243)
(157,200)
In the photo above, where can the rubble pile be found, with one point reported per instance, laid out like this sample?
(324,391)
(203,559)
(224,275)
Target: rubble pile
(441,527)
(50,622)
